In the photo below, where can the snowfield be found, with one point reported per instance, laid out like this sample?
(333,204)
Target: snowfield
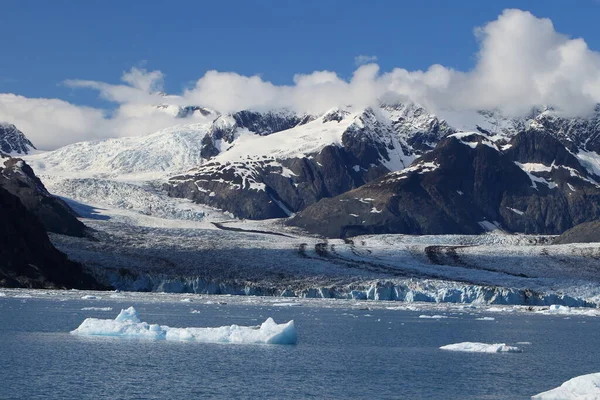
(128,324)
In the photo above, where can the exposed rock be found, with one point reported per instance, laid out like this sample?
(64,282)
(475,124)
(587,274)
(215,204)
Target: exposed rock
(466,185)
(28,259)
(587,232)
(19,179)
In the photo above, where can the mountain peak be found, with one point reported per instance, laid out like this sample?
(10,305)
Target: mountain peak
(13,141)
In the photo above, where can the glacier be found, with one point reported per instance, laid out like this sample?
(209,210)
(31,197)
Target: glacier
(581,387)
(129,325)
(476,347)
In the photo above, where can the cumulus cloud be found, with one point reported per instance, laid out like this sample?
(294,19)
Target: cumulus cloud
(522,62)
(364,59)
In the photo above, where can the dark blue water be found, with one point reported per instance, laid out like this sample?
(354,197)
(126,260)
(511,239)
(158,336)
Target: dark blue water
(342,353)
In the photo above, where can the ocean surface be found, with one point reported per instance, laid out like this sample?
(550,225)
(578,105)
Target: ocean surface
(345,350)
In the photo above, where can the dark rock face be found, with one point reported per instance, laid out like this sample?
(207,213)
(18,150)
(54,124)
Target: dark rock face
(588,232)
(19,179)
(543,148)
(275,188)
(466,185)
(13,140)
(28,259)
(270,189)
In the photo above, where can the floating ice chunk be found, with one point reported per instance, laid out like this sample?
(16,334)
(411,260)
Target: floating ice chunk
(2,294)
(90,297)
(96,309)
(475,347)
(195,311)
(128,324)
(523,342)
(581,387)
(433,316)
(287,304)
(556,308)
(485,319)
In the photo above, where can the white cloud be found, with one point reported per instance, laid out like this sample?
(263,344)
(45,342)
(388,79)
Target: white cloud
(363,59)
(522,62)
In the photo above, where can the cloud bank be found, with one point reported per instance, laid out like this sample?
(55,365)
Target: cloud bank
(522,62)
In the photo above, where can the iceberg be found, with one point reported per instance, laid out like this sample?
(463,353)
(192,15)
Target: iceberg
(475,347)
(581,387)
(128,324)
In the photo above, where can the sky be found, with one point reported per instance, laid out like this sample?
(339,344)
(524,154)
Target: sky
(75,71)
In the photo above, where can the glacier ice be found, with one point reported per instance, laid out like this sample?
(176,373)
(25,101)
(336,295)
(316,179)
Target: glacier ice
(581,387)
(128,324)
(475,347)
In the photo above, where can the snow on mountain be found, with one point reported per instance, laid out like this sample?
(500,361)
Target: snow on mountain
(13,141)
(276,163)
(153,156)
(279,174)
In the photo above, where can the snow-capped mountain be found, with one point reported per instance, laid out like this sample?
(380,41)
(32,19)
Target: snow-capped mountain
(468,185)
(13,141)
(161,154)
(261,165)
(282,173)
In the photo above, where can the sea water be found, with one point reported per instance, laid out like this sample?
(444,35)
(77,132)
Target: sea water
(343,351)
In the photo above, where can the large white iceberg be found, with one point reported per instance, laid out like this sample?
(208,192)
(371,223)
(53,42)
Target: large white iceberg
(128,324)
(581,387)
(475,347)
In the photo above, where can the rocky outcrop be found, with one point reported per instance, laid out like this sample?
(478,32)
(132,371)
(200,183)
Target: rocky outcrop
(467,185)
(27,258)
(587,232)
(19,179)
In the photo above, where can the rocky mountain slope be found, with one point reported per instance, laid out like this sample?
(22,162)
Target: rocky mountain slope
(468,185)
(28,259)
(19,179)
(274,164)
(280,174)
(587,232)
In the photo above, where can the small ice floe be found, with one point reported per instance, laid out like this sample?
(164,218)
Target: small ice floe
(2,294)
(581,387)
(96,309)
(475,347)
(90,297)
(432,316)
(186,300)
(485,319)
(287,304)
(195,312)
(523,342)
(128,324)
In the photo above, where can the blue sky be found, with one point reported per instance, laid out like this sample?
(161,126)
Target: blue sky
(46,42)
